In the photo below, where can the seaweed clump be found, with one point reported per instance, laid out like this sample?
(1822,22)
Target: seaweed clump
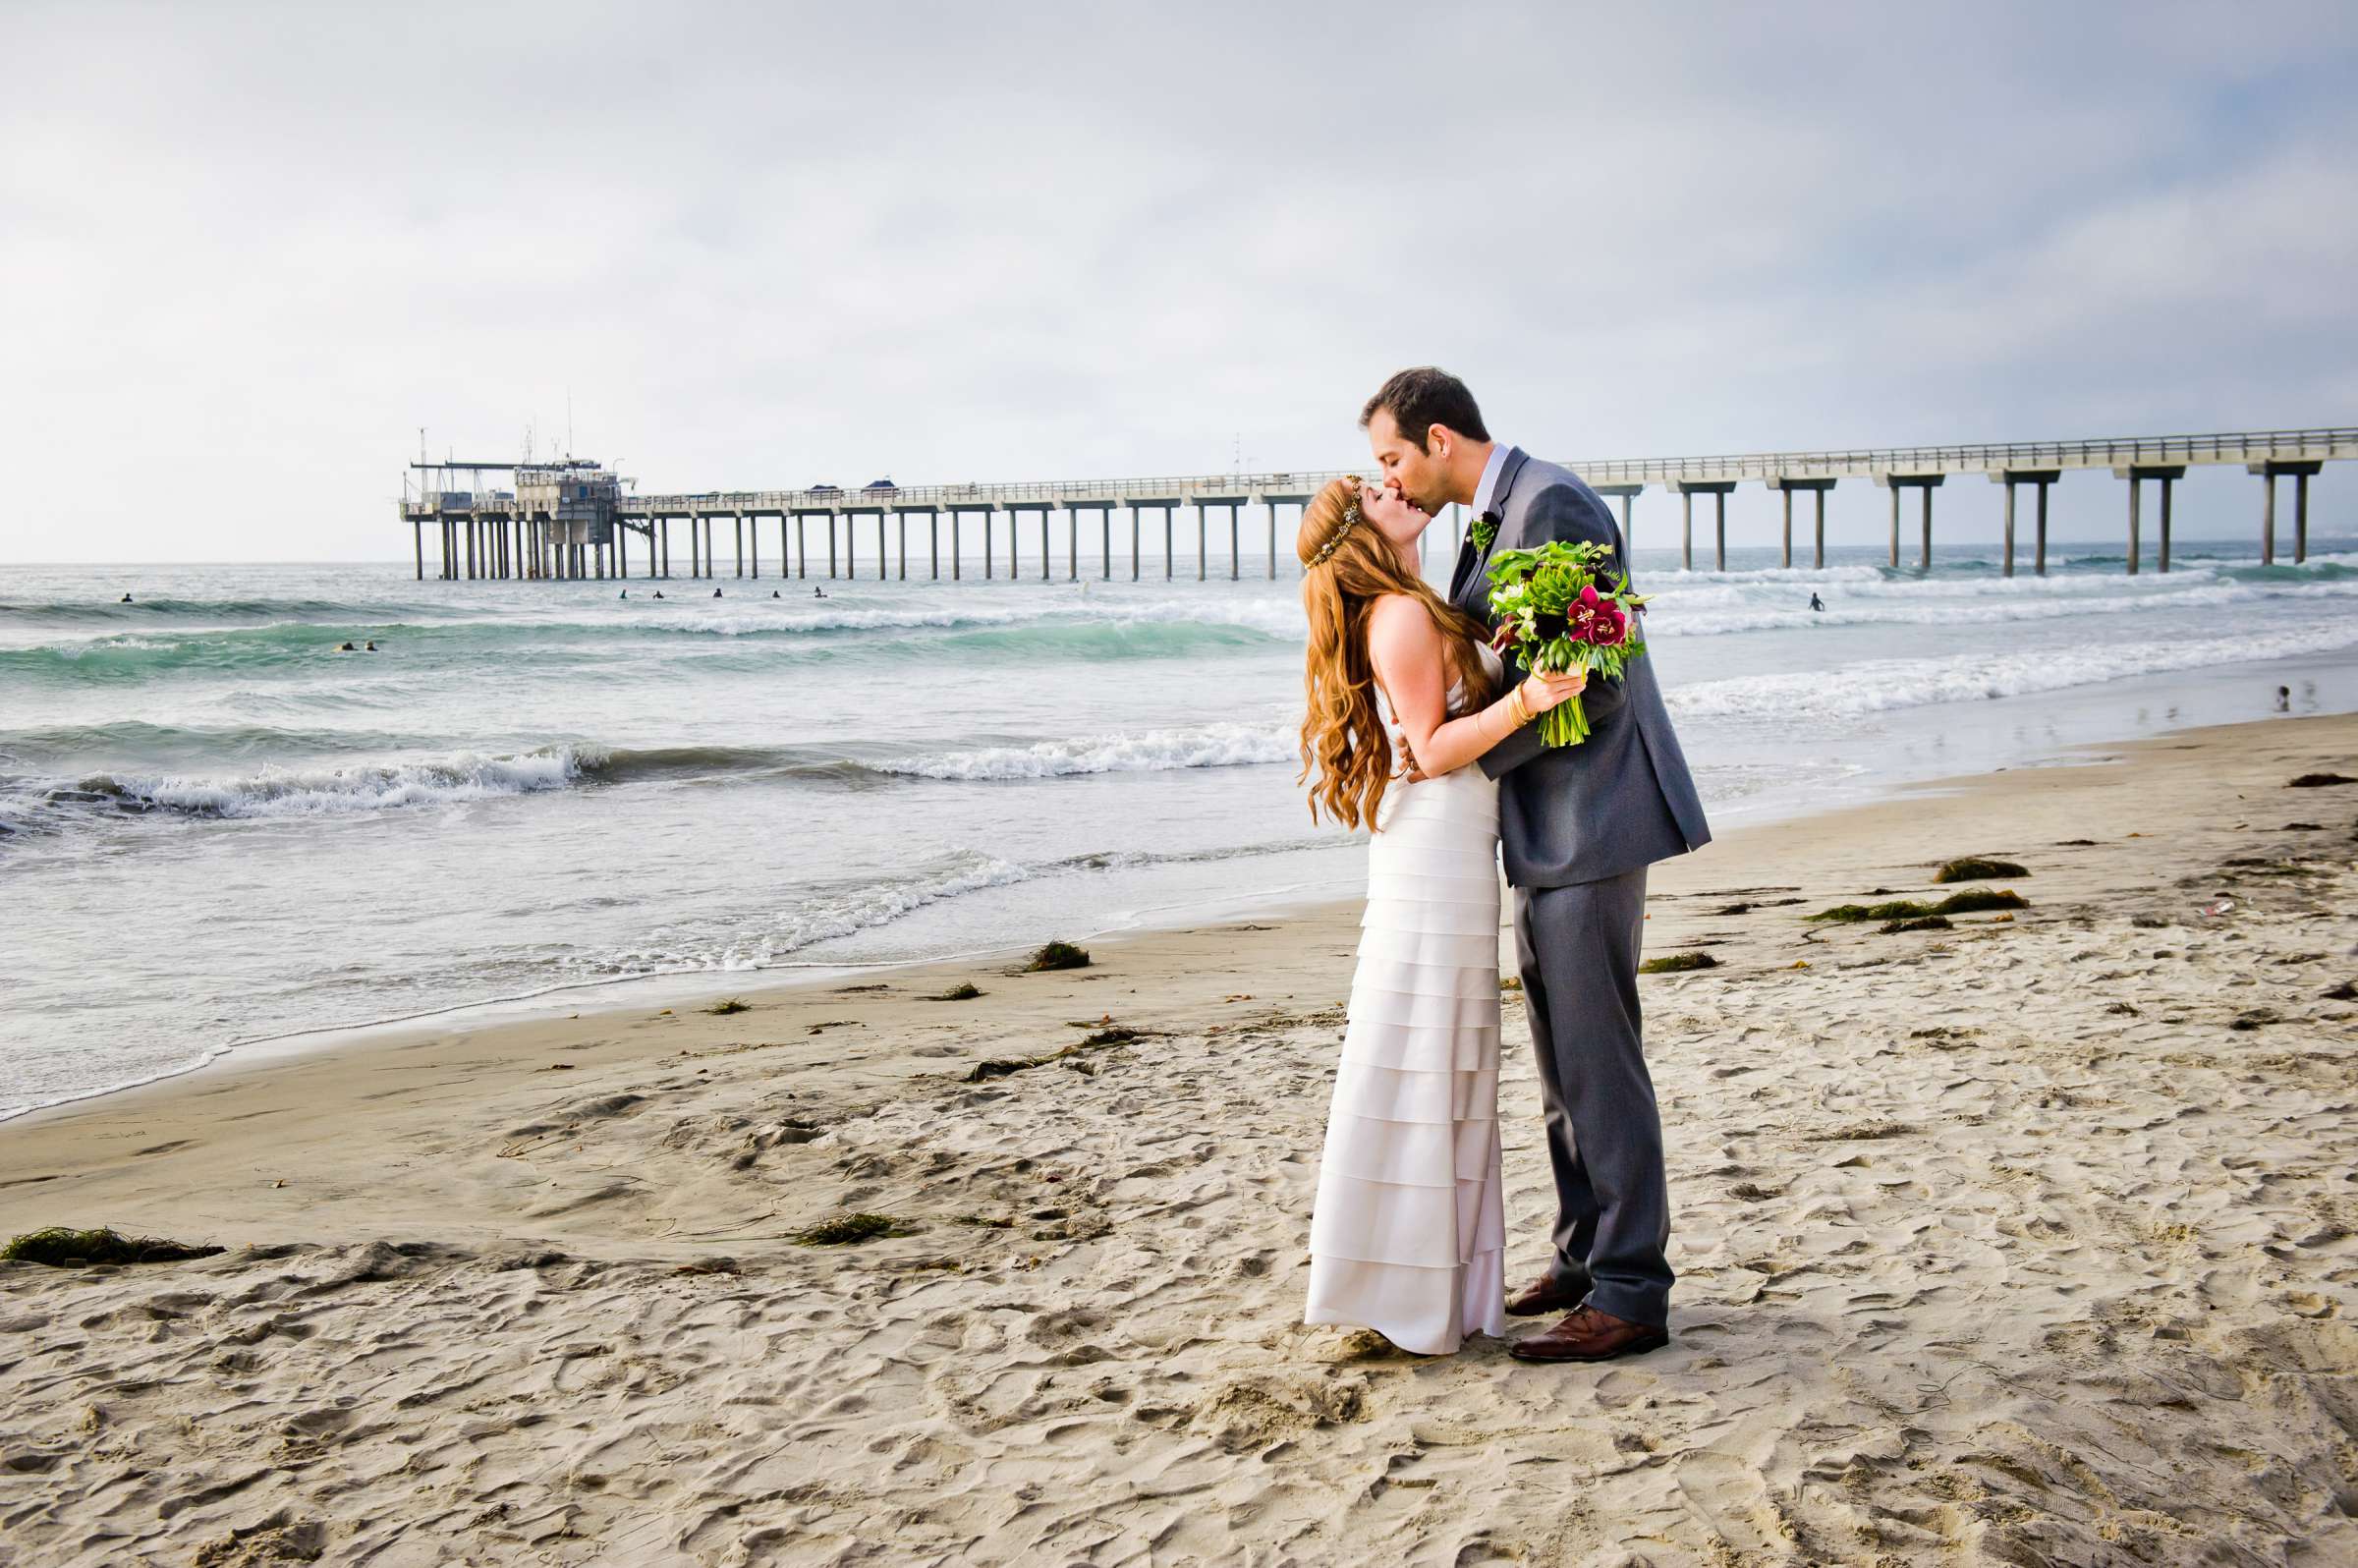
(1677,964)
(963,992)
(729,1005)
(846,1229)
(1976,868)
(1919,922)
(1908,909)
(2318,781)
(1003,1066)
(1057,954)
(60,1247)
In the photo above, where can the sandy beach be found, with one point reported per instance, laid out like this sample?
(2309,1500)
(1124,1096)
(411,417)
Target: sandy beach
(2031,1240)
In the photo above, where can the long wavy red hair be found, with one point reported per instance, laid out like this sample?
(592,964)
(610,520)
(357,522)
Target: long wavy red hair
(1346,752)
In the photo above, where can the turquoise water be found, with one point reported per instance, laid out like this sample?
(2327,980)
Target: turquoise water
(215,827)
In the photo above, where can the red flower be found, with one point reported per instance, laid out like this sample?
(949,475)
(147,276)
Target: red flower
(1610,628)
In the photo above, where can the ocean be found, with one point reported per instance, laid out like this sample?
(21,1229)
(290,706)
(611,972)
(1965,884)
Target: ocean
(217,831)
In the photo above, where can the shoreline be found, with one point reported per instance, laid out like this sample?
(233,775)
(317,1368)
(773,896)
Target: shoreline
(693,986)
(2031,1238)
(460,1025)
(690,986)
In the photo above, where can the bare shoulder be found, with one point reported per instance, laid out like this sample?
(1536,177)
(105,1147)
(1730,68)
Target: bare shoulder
(1401,637)
(1397,622)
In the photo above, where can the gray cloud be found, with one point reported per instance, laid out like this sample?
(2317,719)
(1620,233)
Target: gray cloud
(248,249)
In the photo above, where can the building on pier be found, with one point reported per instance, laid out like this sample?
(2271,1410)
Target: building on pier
(562,520)
(579,496)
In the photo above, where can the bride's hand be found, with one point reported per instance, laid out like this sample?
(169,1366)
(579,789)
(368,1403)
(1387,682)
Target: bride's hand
(1543,692)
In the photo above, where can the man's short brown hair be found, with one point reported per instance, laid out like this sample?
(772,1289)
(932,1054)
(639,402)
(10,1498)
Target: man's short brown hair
(1419,399)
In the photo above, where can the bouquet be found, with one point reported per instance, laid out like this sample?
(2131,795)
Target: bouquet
(1557,613)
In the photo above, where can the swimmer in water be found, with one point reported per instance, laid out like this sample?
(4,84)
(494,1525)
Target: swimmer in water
(716,594)
(126,599)
(658,594)
(1816,603)
(347,649)
(372,648)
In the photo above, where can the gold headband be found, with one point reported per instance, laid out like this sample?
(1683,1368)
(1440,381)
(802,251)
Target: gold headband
(1350,519)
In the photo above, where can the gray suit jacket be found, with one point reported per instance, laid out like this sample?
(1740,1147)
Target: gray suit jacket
(1622,798)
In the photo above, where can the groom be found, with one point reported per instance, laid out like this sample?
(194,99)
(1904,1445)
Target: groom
(1577,827)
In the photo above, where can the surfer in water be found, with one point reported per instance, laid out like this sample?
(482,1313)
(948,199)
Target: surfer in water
(1816,603)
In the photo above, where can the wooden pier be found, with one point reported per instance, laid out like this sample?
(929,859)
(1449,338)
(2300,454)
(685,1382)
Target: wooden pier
(574,520)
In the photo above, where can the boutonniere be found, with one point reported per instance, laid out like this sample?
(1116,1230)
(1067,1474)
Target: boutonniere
(1485,529)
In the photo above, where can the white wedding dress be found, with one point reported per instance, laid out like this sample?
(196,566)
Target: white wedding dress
(1408,1233)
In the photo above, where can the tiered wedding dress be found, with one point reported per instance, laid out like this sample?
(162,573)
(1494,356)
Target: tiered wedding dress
(1408,1234)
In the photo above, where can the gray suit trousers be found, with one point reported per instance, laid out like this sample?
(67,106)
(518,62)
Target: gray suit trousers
(1576,946)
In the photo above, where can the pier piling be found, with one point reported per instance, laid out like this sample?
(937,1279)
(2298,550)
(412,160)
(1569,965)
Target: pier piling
(1626,494)
(2300,473)
(2137,474)
(1785,484)
(1716,489)
(1925,483)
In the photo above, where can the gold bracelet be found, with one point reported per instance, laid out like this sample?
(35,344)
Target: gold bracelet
(1515,706)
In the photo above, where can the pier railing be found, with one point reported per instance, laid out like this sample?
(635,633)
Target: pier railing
(545,547)
(2325,443)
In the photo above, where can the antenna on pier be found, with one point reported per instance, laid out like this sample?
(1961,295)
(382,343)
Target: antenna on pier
(569,421)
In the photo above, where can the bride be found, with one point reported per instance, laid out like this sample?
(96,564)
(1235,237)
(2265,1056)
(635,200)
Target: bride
(1408,1232)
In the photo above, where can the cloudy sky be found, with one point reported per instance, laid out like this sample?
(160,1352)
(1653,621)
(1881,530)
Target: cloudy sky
(245,251)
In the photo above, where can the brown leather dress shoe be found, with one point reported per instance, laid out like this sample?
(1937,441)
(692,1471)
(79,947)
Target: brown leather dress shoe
(1545,1295)
(1590,1335)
